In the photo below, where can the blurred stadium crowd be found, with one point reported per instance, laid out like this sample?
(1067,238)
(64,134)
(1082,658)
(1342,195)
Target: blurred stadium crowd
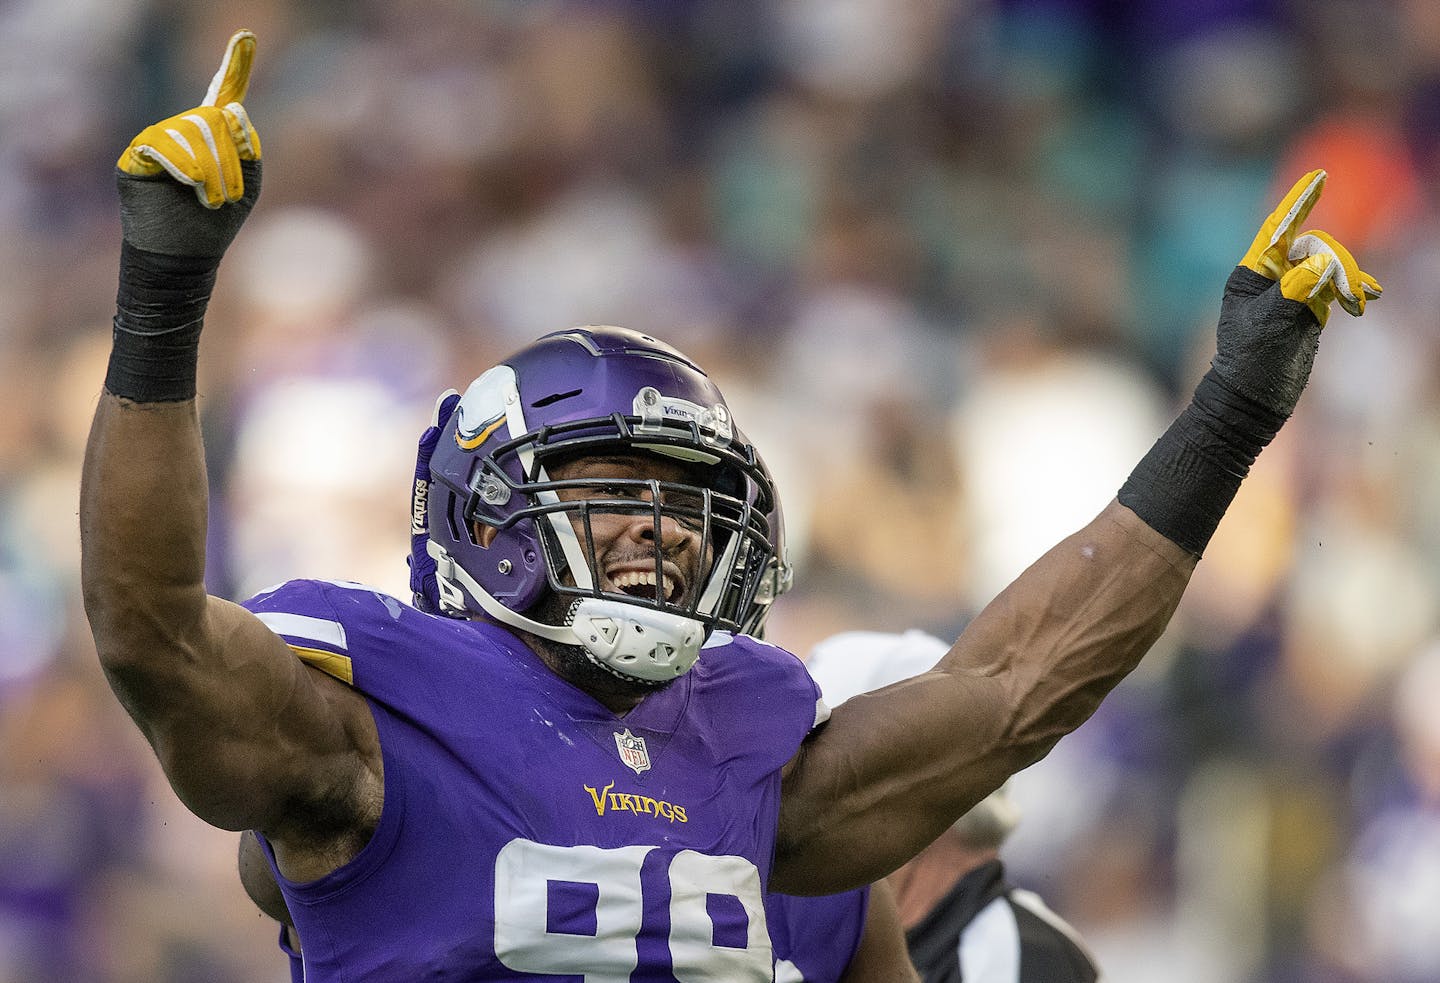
(955,262)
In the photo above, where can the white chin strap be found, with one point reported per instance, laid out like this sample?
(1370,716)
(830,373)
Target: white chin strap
(634,642)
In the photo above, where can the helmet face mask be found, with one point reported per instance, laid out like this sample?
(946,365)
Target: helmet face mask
(729,529)
(504,530)
(777,577)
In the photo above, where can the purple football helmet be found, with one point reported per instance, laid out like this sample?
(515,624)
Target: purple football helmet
(584,392)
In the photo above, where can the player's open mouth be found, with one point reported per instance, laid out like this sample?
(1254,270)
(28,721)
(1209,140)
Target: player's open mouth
(641,583)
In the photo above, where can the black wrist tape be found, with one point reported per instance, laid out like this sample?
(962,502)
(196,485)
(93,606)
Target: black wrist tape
(159,311)
(1183,486)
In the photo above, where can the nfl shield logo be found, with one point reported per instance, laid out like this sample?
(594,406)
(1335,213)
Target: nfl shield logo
(632,751)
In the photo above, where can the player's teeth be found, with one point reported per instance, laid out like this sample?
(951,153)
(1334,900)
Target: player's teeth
(645,578)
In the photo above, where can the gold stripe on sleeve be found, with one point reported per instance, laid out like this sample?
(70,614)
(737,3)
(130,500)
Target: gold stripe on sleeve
(329,663)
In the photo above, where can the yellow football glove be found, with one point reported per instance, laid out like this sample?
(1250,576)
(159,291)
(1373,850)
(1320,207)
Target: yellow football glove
(1272,314)
(1312,267)
(204,147)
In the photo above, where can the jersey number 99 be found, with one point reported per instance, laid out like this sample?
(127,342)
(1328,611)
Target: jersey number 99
(579,910)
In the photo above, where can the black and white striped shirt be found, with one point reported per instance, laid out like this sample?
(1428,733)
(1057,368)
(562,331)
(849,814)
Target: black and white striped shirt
(986,931)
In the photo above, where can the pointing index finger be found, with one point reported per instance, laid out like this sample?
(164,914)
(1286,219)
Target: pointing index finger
(1267,254)
(1296,206)
(232,80)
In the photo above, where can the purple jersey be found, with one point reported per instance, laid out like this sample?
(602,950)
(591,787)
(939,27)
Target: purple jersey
(529,832)
(815,938)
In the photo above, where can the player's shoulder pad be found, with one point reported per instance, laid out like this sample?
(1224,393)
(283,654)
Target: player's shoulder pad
(727,652)
(319,619)
(342,598)
(769,674)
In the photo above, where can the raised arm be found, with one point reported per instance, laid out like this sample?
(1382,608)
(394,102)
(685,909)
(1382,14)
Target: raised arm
(892,769)
(220,698)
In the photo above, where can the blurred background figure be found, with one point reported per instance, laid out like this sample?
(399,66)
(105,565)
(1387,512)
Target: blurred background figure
(962,213)
(963,920)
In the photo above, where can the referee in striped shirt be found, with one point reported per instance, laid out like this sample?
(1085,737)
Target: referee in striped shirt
(964,923)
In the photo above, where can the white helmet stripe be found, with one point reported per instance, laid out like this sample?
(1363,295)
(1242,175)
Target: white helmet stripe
(719,576)
(559,521)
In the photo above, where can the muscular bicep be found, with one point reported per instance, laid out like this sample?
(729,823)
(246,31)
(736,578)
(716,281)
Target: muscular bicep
(869,787)
(892,769)
(247,734)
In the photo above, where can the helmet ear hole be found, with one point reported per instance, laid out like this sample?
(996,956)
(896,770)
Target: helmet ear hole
(482,535)
(450,521)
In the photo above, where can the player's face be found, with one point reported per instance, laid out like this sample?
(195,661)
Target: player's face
(625,545)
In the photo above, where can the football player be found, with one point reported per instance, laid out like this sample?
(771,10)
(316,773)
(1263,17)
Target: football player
(549,777)
(851,937)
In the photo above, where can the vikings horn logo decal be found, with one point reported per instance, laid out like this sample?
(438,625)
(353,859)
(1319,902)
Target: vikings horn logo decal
(482,409)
